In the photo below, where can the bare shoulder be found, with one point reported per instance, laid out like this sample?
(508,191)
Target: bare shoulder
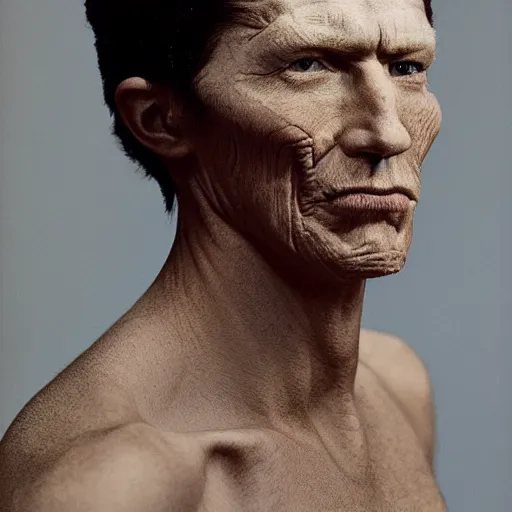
(406,377)
(130,468)
(82,435)
(393,359)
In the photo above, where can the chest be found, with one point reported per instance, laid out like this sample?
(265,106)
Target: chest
(284,475)
(376,464)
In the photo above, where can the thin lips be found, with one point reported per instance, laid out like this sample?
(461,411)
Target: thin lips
(373,191)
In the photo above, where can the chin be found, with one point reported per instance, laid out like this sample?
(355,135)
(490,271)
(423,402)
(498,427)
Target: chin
(366,251)
(360,267)
(373,265)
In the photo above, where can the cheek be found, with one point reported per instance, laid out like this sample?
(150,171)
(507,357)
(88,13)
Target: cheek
(421,115)
(249,155)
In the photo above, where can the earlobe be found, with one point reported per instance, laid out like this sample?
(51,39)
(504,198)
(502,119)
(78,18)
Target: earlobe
(148,112)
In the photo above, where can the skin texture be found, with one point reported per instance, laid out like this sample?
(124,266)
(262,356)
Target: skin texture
(241,380)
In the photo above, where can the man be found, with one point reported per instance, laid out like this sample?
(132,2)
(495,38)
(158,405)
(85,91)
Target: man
(293,132)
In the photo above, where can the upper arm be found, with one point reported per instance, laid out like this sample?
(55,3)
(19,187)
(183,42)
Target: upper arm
(406,376)
(124,471)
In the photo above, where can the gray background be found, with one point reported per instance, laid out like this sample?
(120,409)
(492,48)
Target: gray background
(82,235)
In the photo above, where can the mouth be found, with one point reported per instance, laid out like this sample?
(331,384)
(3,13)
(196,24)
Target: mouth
(399,200)
(367,191)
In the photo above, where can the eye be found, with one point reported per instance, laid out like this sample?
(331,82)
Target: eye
(307,65)
(404,68)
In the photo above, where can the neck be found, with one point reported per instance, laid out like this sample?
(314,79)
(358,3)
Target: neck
(258,341)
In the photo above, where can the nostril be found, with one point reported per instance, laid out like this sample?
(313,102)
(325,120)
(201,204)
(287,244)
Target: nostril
(381,165)
(373,158)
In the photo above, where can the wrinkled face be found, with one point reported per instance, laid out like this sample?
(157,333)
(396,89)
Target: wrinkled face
(318,119)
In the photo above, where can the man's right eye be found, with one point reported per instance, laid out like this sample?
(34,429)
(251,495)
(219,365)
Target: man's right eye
(306,65)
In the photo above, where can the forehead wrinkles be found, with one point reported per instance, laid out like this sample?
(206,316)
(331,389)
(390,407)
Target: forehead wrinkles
(344,22)
(390,26)
(405,34)
(263,13)
(403,25)
(395,25)
(257,13)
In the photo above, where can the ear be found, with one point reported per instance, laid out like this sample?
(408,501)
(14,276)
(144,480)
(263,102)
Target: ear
(152,115)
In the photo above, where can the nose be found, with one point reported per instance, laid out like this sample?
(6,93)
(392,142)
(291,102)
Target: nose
(375,131)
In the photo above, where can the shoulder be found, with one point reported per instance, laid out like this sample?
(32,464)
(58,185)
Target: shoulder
(82,435)
(386,354)
(406,377)
(130,468)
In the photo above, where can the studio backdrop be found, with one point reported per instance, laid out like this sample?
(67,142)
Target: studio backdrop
(82,235)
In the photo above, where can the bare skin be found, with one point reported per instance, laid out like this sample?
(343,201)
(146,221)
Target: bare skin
(241,380)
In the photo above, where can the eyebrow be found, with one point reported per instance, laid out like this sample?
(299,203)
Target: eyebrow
(342,42)
(409,42)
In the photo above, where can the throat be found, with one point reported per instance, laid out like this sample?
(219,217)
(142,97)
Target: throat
(340,427)
(249,342)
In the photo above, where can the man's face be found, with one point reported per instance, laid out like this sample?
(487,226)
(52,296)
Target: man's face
(303,99)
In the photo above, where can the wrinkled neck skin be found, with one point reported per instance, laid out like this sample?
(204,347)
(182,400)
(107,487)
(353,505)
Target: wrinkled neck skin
(281,349)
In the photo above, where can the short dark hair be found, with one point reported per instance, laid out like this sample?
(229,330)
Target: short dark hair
(163,41)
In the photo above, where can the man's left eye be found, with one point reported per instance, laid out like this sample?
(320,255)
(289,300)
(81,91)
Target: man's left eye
(305,65)
(404,68)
